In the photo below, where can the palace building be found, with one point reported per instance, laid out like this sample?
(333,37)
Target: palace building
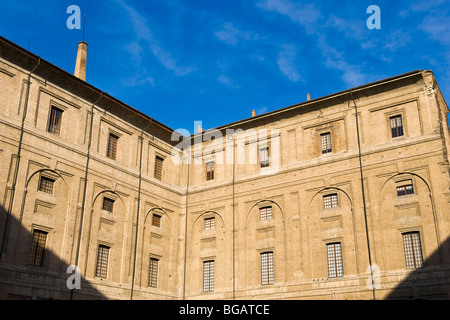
(346,196)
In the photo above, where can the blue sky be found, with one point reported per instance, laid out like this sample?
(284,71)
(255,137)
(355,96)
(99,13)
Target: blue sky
(216,61)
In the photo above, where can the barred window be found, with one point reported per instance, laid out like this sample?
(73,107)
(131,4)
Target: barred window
(102,261)
(405,190)
(54,123)
(326,143)
(108,204)
(46,185)
(264,157)
(267,270)
(210,171)
(413,250)
(156,221)
(158,167)
(335,265)
(396,126)
(208,276)
(265,213)
(330,201)
(210,223)
(153,273)
(112,146)
(37,251)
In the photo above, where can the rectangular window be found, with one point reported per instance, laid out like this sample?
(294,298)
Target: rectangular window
(405,190)
(210,223)
(112,146)
(326,143)
(153,273)
(330,201)
(267,268)
(156,221)
(37,248)
(108,204)
(54,123)
(413,250)
(210,171)
(158,167)
(335,265)
(397,126)
(208,276)
(46,185)
(264,157)
(265,213)
(102,262)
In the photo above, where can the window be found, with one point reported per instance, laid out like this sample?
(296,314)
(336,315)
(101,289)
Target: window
(112,146)
(335,265)
(156,221)
(210,171)
(405,190)
(158,167)
(330,201)
(397,126)
(210,223)
(46,185)
(54,123)
(413,250)
(326,143)
(108,204)
(153,273)
(102,261)
(264,157)
(37,248)
(208,276)
(267,268)
(265,213)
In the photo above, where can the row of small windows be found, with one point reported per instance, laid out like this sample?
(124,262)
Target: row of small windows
(55,120)
(411,243)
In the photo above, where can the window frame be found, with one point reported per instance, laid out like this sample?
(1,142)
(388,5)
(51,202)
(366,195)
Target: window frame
(210,166)
(413,250)
(105,201)
(156,220)
(405,190)
(327,144)
(266,214)
(399,129)
(158,171)
(153,272)
(209,223)
(264,156)
(55,123)
(102,264)
(336,261)
(208,275)
(45,188)
(267,268)
(37,250)
(333,201)
(113,146)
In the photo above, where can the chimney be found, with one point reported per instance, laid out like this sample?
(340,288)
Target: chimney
(253,113)
(308,97)
(80,66)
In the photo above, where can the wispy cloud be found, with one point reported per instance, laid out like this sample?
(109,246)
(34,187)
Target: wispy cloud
(227,81)
(306,15)
(231,35)
(286,62)
(145,37)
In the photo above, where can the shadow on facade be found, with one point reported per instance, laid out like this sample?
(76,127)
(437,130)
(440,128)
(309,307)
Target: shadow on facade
(21,281)
(431,282)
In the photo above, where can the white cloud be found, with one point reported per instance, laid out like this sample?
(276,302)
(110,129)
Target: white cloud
(286,63)
(231,35)
(227,82)
(306,15)
(144,35)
